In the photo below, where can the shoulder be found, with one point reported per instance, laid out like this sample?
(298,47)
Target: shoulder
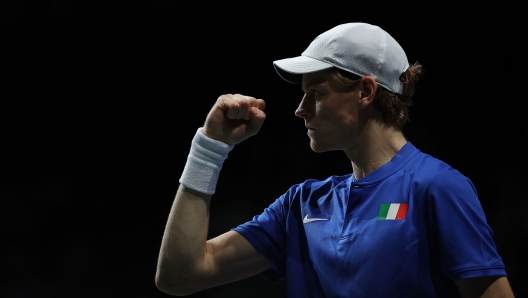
(440,186)
(430,171)
(327,184)
(315,187)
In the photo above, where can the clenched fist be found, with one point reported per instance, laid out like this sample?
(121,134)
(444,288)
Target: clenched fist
(234,118)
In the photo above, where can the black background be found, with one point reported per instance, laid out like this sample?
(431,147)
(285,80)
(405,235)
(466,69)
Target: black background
(100,100)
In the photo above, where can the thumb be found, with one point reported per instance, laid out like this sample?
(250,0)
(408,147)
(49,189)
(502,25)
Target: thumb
(257,117)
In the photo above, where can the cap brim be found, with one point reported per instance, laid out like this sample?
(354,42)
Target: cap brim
(292,69)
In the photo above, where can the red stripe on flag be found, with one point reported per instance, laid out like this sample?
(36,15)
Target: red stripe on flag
(402,211)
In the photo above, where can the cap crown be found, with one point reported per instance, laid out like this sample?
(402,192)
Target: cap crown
(362,49)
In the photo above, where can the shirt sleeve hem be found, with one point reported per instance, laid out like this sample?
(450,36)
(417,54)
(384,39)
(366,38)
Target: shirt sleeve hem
(273,274)
(481,272)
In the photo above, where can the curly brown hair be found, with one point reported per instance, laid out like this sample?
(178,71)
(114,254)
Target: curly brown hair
(394,107)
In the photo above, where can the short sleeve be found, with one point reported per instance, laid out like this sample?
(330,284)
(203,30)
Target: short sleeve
(267,232)
(458,229)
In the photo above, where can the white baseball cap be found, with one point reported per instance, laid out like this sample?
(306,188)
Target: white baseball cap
(359,48)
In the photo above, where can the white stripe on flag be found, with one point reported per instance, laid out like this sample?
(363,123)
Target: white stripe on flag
(393,210)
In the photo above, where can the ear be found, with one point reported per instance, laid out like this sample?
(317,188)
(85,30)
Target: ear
(368,88)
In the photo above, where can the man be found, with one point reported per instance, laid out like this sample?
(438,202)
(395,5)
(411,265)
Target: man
(402,224)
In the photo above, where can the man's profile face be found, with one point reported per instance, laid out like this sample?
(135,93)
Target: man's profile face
(331,117)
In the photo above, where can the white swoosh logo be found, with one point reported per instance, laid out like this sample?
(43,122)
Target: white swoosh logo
(307,220)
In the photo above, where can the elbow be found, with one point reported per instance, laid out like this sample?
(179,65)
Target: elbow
(174,284)
(172,287)
(164,286)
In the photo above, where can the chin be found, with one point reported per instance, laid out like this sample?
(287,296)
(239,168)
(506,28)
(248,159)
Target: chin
(318,148)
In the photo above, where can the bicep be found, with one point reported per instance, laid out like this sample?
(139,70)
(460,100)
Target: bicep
(230,257)
(485,287)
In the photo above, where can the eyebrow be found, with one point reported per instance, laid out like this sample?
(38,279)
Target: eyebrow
(311,83)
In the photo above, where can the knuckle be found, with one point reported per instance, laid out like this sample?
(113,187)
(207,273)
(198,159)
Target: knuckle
(242,103)
(225,98)
(235,106)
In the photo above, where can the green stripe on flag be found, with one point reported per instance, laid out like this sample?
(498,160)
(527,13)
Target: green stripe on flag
(383,211)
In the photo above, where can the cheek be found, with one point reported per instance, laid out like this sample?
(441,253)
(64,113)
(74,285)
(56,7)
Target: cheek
(349,114)
(339,117)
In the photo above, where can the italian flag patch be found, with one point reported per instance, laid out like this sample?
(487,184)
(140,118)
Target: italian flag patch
(393,211)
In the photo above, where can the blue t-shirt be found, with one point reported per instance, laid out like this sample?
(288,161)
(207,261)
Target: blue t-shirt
(409,229)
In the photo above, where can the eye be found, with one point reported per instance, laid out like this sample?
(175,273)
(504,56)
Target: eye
(316,93)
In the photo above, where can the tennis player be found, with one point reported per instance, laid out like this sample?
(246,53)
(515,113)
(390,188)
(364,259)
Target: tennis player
(401,224)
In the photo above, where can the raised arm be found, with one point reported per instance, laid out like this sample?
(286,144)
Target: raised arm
(188,262)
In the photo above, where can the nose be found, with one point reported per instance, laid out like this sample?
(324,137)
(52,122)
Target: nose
(303,110)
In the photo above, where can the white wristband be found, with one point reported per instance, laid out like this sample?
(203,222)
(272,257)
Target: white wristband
(204,163)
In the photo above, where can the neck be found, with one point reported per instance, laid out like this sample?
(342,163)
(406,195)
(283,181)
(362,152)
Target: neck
(374,148)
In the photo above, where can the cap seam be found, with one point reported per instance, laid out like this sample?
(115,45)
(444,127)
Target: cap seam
(381,53)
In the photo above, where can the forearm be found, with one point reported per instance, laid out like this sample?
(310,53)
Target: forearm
(182,257)
(182,252)
(183,243)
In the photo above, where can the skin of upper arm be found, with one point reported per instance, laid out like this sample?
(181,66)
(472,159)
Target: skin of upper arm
(485,287)
(228,258)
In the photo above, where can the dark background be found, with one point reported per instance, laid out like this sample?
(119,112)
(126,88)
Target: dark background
(100,101)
